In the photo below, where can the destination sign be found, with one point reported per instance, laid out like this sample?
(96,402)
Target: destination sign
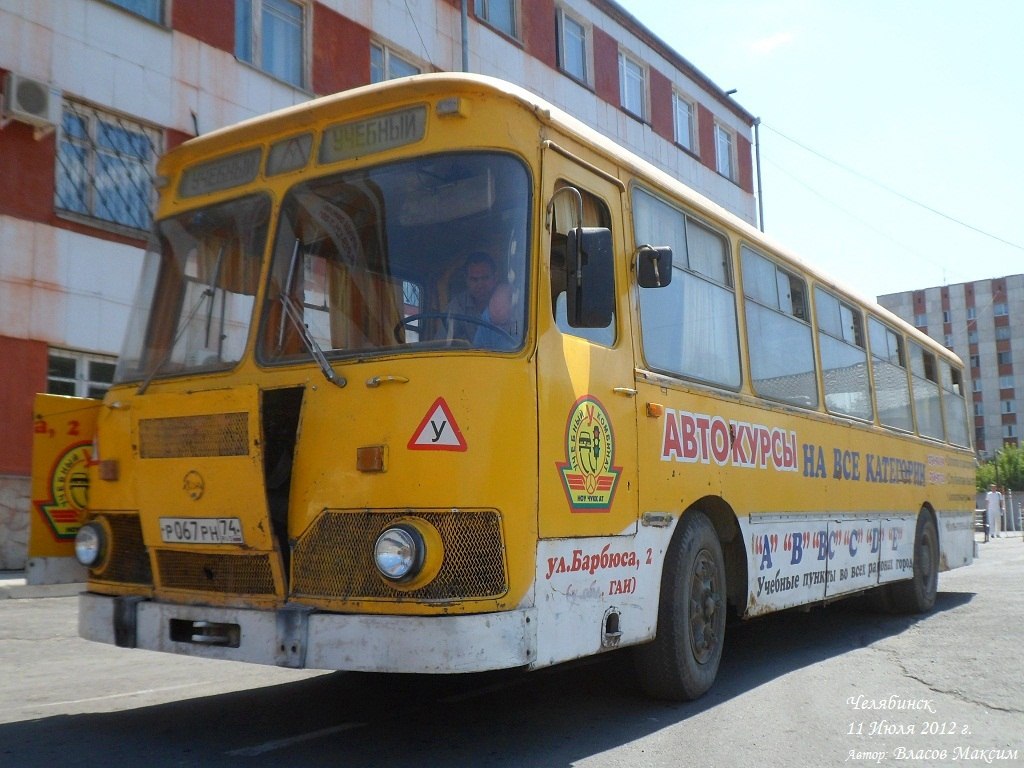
(220,174)
(373,134)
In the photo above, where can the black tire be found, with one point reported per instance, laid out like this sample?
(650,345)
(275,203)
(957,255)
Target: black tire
(682,661)
(917,595)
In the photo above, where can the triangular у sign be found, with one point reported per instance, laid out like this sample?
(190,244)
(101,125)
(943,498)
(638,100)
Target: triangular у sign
(438,431)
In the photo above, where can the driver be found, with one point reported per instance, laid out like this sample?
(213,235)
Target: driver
(481,280)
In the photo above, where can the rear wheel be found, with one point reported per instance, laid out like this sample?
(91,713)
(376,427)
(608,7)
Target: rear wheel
(918,594)
(682,661)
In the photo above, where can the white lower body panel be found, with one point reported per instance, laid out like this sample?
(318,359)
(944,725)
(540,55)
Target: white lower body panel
(303,639)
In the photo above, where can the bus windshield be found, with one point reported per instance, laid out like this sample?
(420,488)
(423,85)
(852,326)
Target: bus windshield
(195,301)
(420,254)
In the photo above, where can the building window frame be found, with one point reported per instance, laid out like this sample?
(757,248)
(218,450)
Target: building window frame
(79,374)
(1000,309)
(633,85)
(154,11)
(253,46)
(684,122)
(386,63)
(105,168)
(725,151)
(574,47)
(501,15)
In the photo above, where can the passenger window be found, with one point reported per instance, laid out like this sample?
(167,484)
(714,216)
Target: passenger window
(688,327)
(778,333)
(889,368)
(595,214)
(954,406)
(844,358)
(927,406)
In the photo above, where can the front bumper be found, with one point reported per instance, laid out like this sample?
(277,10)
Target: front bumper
(302,638)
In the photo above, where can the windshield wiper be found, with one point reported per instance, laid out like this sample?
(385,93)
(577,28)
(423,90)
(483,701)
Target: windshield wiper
(208,293)
(295,315)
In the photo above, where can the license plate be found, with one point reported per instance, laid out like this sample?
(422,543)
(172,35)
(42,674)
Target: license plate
(201,530)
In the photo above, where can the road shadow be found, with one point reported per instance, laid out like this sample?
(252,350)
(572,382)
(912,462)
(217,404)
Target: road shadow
(549,718)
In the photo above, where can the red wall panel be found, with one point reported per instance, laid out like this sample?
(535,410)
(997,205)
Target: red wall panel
(539,30)
(661,105)
(210,21)
(26,173)
(706,134)
(24,367)
(745,171)
(341,52)
(606,66)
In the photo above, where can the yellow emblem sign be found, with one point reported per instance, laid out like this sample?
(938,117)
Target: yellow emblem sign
(588,472)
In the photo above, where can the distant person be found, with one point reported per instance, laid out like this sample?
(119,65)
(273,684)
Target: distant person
(481,279)
(994,507)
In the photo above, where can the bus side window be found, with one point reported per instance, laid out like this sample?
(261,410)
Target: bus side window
(778,332)
(689,325)
(844,360)
(924,378)
(889,369)
(595,214)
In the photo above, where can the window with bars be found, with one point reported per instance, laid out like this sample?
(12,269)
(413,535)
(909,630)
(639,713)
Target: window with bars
(105,167)
(270,35)
(79,374)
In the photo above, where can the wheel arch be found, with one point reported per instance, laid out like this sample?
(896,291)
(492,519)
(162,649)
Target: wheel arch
(726,524)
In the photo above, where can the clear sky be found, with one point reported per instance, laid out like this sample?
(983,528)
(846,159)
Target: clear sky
(874,111)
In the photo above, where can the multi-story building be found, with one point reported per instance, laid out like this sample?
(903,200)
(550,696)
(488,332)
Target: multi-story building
(983,322)
(96,90)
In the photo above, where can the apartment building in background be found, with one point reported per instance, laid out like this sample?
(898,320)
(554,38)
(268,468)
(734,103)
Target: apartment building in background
(983,323)
(94,91)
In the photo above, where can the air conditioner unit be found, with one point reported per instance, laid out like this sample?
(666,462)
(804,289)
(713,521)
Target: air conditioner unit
(30,101)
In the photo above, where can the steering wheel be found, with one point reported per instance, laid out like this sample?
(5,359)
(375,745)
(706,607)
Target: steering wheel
(412,323)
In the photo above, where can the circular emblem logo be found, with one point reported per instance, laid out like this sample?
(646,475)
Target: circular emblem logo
(588,471)
(193,485)
(69,491)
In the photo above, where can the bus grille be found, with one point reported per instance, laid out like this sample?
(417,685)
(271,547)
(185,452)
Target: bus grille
(130,562)
(205,572)
(334,559)
(179,437)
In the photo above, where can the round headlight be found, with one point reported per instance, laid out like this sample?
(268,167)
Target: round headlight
(399,552)
(90,544)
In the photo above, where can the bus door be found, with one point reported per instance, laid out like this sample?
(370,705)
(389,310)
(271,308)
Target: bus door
(586,384)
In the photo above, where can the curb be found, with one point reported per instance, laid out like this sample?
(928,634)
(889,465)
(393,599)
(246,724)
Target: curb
(16,589)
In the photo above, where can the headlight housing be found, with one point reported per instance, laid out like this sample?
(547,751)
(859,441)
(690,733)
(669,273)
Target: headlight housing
(399,553)
(91,545)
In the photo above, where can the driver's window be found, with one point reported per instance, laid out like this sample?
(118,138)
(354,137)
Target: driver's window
(595,214)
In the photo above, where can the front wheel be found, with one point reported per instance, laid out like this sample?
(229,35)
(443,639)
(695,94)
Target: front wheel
(682,661)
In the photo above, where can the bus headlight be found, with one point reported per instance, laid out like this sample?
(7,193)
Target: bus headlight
(91,544)
(399,553)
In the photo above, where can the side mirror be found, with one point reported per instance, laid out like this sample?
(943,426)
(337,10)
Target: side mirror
(589,277)
(654,266)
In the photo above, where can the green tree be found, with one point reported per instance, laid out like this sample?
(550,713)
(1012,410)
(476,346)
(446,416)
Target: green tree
(1005,470)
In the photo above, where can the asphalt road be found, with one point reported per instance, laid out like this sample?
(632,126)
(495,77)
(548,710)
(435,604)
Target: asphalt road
(838,686)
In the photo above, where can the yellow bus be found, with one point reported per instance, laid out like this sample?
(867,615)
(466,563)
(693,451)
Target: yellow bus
(430,377)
